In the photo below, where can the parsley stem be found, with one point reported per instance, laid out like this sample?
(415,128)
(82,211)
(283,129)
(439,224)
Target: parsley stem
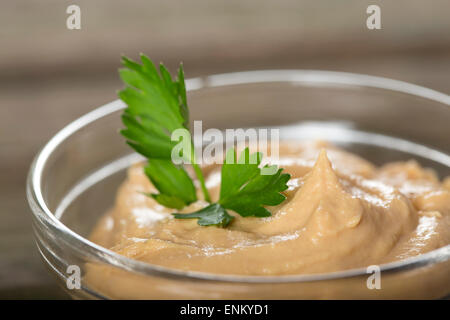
(199,174)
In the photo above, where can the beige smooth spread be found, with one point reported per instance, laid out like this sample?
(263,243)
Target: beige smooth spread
(341,212)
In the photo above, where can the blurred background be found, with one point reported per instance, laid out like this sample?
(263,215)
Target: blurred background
(50,75)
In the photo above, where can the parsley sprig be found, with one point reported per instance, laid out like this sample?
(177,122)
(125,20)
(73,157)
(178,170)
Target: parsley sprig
(156,107)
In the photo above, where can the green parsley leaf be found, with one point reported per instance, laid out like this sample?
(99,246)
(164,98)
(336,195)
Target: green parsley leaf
(212,215)
(174,184)
(235,176)
(156,107)
(243,189)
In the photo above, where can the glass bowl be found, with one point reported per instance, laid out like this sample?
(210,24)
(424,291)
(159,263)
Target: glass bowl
(73,180)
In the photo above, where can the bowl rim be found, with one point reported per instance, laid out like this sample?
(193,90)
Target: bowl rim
(306,77)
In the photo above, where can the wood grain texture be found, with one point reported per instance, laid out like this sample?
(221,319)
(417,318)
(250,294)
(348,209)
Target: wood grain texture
(50,75)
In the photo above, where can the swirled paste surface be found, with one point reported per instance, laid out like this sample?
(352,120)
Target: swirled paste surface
(341,212)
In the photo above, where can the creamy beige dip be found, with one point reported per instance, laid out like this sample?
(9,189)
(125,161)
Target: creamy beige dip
(341,212)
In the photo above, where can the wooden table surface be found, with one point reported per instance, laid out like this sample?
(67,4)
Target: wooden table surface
(50,75)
